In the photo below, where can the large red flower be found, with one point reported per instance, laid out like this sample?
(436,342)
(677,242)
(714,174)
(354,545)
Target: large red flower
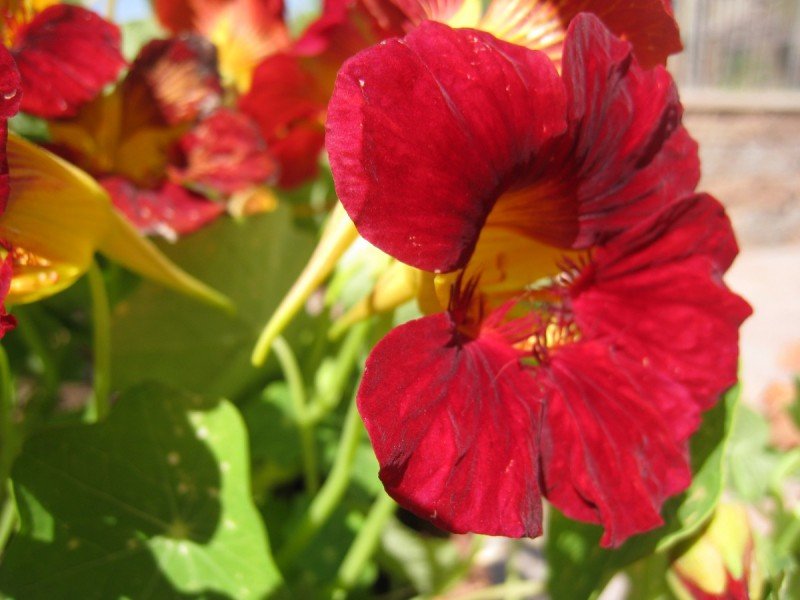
(66,55)
(582,325)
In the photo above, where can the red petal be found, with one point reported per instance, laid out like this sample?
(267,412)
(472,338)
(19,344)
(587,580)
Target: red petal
(288,102)
(224,154)
(169,211)
(620,119)
(66,55)
(424,132)
(454,425)
(178,76)
(7,322)
(609,455)
(10,85)
(657,291)
(648,24)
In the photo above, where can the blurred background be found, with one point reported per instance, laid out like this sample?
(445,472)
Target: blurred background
(739,78)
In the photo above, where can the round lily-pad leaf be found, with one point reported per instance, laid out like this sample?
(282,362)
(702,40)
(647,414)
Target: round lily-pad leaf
(152,503)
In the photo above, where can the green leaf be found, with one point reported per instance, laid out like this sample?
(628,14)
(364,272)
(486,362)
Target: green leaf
(152,503)
(159,335)
(751,463)
(275,452)
(580,568)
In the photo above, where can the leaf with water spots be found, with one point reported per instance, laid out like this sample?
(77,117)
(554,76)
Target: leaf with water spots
(580,568)
(153,503)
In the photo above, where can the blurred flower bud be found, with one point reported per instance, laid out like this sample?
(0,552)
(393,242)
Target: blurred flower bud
(720,563)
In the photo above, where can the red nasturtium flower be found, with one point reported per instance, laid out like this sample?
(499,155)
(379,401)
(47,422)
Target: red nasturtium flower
(162,145)
(66,54)
(577,321)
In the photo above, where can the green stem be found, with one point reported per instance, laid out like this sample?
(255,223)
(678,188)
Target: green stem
(27,318)
(101,342)
(297,391)
(8,518)
(337,236)
(364,545)
(328,399)
(330,495)
(7,437)
(111,9)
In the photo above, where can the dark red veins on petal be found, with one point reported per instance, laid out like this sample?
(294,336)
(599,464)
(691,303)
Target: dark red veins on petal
(609,455)
(66,55)
(621,119)
(454,424)
(426,131)
(657,291)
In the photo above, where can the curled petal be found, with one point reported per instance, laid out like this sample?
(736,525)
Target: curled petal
(658,293)
(621,117)
(453,424)
(609,455)
(169,211)
(424,132)
(65,55)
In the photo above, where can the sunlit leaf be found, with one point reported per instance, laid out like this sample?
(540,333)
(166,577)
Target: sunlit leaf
(152,503)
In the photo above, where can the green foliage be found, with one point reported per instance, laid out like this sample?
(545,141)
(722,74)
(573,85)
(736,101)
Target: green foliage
(154,502)
(160,335)
(580,568)
(430,564)
(751,462)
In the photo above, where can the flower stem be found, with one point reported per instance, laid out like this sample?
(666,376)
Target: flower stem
(8,517)
(364,545)
(7,434)
(111,9)
(27,318)
(338,235)
(327,399)
(330,495)
(297,391)
(101,342)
